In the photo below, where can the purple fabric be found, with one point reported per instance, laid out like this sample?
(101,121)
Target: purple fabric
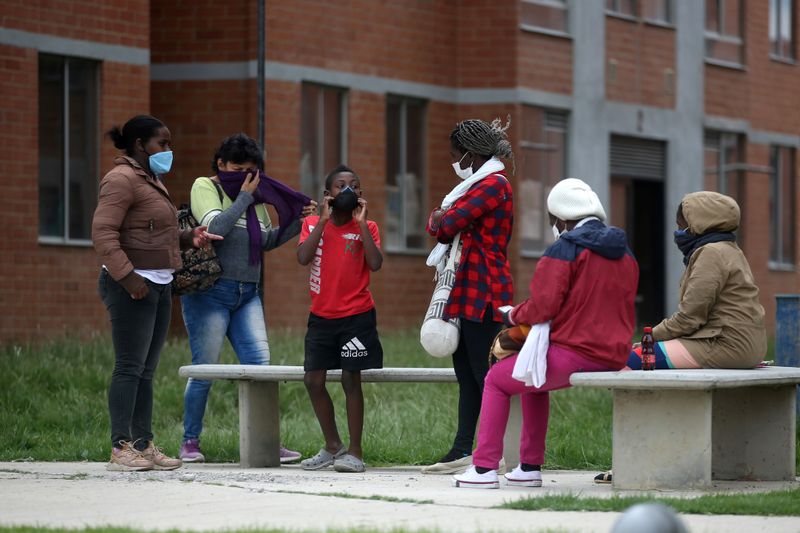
(286,201)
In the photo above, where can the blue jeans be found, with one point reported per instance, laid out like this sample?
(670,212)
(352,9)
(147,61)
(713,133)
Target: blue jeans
(228,309)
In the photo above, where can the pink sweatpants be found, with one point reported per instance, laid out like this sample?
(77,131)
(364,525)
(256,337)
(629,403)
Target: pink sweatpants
(498,389)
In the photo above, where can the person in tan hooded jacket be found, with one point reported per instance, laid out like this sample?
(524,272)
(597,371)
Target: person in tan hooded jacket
(719,322)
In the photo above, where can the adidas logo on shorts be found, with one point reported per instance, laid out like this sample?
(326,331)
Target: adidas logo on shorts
(354,348)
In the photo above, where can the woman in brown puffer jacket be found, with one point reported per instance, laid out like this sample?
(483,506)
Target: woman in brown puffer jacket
(135,233)
(719,322)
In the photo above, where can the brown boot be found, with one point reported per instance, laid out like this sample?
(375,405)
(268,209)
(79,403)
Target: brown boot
(128,459)
(160,461)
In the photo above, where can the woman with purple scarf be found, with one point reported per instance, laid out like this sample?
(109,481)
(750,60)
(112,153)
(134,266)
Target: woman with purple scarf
(231,204)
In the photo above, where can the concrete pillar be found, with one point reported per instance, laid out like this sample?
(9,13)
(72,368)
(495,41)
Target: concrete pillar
(588,134)
(754,433)
(661,439)
(259,424)
(685,136)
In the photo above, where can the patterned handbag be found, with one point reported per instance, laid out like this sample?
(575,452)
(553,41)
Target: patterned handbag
(201,266)
(439,337)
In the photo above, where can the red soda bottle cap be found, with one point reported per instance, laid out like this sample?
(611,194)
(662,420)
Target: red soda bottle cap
(648,329)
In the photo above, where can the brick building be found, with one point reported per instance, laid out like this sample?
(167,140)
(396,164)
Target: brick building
(646,100)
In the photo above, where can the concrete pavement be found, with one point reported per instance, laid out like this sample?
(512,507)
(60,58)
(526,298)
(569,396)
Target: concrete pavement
(225,496)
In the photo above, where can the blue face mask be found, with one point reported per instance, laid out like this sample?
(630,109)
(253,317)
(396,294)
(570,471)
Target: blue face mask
(160,162)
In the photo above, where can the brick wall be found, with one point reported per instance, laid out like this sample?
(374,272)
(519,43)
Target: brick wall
(122,22)
(46,288)
(639,58)
(545,62)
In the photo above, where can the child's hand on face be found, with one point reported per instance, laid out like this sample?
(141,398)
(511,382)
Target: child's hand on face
(360,212)
(326,208)
(309,209)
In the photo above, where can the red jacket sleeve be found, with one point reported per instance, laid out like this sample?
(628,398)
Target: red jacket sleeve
(549,288)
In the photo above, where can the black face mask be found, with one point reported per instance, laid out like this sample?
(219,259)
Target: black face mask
(346,201)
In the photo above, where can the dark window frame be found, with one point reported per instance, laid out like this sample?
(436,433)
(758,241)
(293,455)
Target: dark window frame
(402,236)
(777,260)
(552,121)
(64,232)
(312,182)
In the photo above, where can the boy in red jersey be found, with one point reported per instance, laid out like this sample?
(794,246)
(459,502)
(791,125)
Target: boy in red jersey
(343,247)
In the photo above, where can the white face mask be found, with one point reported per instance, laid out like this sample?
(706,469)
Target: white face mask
(462,173)
(557,234)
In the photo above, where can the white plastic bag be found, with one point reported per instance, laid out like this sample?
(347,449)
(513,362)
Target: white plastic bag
(440,337)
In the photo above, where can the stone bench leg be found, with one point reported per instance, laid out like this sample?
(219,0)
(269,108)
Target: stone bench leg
(259,424)
(662,439)
(754,433)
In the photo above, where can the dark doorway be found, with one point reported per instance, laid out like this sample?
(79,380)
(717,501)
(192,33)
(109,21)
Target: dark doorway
(637,192)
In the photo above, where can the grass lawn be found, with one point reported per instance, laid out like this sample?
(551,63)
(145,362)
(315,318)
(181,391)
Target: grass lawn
(54,407)
(778,503)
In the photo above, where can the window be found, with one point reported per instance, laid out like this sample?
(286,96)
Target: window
(781,22)
(724,167)
(68,147)
(548,15)
(323,135)
(657,10)
(622,7)
(782,206)
(405,174)
(543,147)
(724,31)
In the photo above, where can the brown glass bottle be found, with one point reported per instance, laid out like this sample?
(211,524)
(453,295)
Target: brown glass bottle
(648,350)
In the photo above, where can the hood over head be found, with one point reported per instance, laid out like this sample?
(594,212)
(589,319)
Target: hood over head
(708,211)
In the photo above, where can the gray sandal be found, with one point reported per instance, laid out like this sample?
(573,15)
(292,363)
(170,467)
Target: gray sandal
(323,459)
(349,463)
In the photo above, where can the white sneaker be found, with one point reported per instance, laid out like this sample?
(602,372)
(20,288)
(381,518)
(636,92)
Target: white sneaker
(471,479)
(520,478)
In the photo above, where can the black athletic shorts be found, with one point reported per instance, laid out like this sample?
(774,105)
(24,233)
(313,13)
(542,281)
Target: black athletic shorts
(350,343)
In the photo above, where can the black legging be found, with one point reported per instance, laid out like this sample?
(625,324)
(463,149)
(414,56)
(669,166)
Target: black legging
(471,364)
(138,330)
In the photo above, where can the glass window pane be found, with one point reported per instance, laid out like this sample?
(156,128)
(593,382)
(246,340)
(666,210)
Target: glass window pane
(320,136)
(658,10)
(82,147)
(774,215)
(731,25)
(786,34)
(773,26)
(544,16)
(309,139)
(542,163)
(712,16)
(394,200)
(51,146)
(331,130)
(414,186)
(787,192)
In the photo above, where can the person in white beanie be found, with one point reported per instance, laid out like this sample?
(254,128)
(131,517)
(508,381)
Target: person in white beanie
(584,286)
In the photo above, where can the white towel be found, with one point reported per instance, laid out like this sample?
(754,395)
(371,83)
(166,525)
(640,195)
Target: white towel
(437,255)
(531,364)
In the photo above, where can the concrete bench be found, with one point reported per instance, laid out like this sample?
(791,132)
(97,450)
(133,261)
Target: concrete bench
(676,429)
(259,407)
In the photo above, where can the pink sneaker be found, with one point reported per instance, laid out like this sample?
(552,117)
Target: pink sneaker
(289,456)
(190,451)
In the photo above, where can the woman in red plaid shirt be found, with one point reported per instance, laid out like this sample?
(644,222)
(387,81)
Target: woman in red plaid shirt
(481,210)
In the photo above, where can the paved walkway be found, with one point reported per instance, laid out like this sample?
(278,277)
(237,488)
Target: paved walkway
(215,496)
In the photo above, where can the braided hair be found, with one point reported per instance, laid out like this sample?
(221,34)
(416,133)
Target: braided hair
(481,138)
